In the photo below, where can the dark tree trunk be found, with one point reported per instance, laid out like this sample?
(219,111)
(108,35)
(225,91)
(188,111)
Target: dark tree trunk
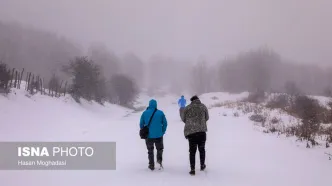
(16,80)
(28,82)
(65,89)
(21,77)
(11,78)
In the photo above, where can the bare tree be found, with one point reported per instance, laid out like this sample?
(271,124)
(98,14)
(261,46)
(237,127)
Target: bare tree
(291,88)
(199,78)
(108,62)
(124,89)
(53,85)
(87,79)
(4,78)
(308,110)
(133,67)
(251,71)
(328,92)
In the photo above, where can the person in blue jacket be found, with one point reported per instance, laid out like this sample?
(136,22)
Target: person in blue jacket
(157,130)
(182,104)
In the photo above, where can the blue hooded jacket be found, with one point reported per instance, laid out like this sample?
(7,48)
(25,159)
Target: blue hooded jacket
(182,102)
(158,124)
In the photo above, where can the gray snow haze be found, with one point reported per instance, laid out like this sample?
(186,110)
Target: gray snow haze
(194,46)
(299,30)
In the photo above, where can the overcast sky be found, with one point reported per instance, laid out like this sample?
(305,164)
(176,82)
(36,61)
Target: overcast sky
(300,30)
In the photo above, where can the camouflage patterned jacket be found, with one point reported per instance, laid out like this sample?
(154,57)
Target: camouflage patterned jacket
(195,116)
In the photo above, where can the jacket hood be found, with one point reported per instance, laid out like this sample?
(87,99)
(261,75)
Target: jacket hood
(196,101)
(153,104)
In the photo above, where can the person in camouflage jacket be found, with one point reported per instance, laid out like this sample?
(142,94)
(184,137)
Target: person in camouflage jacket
(195,117)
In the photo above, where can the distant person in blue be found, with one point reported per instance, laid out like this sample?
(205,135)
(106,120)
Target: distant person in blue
(182,104)
(157,130)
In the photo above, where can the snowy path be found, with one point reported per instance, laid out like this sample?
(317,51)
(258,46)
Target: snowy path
(237,155)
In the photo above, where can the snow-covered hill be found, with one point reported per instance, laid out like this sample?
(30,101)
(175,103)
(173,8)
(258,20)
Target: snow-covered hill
(237,154)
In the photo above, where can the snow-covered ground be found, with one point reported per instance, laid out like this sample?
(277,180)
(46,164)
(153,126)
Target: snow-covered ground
(237,154)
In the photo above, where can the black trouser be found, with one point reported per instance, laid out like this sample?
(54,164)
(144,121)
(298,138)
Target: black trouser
(150,143)
(181,112)
(197,140)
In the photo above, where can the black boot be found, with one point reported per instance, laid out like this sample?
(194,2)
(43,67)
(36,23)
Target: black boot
(151,167)
(160,164)
(192,172)
(203,167)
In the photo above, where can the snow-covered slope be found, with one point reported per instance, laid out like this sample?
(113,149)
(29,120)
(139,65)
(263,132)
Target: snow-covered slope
(45,118)
(237,155)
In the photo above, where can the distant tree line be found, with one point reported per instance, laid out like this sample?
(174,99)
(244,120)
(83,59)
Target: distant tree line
(262,69)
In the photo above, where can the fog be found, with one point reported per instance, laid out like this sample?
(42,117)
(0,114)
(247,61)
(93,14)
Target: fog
(193,46)
(298,30)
